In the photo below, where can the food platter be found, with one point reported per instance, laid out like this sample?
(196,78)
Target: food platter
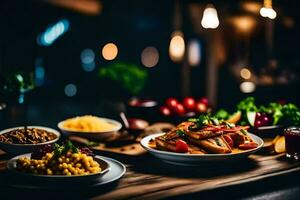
(196,159)
(115,172)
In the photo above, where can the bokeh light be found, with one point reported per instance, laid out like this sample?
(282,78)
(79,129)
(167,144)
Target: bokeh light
(177,46)
(247,87)
(150,56)
(245,73)
(87,57)
(70,90)
(194,52)
(110,51)
(53,32)
(39,72)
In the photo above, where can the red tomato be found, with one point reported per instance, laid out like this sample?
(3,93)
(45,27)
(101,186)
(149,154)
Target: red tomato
(228,140)
(179,109)
(248,145)
(181,146)
(171,103)
(165,111)
(201,107)
(203,100)
(189,103)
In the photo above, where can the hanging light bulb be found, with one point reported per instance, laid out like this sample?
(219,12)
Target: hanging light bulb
(210,17)
(267,10)
(177,46)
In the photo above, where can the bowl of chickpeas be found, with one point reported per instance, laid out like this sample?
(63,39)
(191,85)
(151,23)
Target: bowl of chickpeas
(69,166)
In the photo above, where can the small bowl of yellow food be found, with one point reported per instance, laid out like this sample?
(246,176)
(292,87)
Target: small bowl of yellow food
(91,127)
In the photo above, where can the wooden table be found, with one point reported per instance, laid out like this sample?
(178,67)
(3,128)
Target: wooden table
(149,178)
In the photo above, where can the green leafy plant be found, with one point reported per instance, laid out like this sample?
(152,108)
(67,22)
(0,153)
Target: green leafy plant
(131,77)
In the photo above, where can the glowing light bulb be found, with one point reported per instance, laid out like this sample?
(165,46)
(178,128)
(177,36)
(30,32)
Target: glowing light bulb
(177,47)
(210,17)
(267,10)
(194,52)
(110,51)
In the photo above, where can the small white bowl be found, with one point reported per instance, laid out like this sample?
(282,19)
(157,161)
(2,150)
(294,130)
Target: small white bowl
(100,136)
(17,149)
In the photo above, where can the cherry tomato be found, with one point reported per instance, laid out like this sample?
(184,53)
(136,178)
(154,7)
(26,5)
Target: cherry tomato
(258,115)
(257,123)
(201,107)
(181,146)
(179,109)
(171,103)
(203,100)
(265,121)
(228,140)
(189,103)
(165,111)
(248,145)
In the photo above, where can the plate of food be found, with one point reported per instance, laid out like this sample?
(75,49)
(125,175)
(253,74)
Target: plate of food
(20,140)
(202,139)
(91,127)
(62,167)
(59,163)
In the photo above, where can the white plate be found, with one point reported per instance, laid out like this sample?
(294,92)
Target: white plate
(104,135)
(196,159)
(18,149)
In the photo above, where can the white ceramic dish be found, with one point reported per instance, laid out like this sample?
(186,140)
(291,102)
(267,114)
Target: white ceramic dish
(196,159)
(12,166)
(93,135)
(18,149)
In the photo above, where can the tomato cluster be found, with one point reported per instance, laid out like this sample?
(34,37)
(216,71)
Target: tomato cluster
(173,106)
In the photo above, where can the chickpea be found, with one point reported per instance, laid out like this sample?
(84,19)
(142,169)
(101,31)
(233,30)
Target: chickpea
(65,165)
(49,172)
(69,154)
(65,171)
(78,165)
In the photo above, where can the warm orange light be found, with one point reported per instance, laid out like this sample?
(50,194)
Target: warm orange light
(244,24)
(110,51)
(177,47)
(245,73)
(252,6)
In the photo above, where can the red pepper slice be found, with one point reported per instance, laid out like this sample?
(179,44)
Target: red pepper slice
(248,145)
(229,140)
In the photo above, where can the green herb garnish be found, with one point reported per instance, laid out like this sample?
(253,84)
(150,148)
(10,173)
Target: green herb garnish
(60,150)
(244,131)
(180,132)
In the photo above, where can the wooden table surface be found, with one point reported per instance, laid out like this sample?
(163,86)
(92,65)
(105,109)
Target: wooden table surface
(149,178)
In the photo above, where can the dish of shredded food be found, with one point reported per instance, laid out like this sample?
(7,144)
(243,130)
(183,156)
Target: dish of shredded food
(27,136)
(205,135)
(88,123)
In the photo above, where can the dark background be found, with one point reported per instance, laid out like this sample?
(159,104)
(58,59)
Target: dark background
(132,26)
